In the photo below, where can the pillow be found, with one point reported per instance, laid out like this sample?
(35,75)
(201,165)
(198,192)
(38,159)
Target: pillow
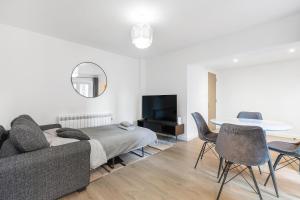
(66,129)
(129,128)
(8,149)
(22,116)
(27,136)
(3,135)
(126,124)
(75,134)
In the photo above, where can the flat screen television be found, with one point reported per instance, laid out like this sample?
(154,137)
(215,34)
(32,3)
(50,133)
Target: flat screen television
(160,107)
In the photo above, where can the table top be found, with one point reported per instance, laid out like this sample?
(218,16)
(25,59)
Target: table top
(264,124)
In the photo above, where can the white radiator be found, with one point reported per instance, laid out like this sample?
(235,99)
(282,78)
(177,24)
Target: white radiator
(85,120)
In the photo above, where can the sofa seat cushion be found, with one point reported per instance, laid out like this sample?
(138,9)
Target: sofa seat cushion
(8,149)
(27,136)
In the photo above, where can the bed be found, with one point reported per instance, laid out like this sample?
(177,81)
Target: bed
(116,141)
(107,139)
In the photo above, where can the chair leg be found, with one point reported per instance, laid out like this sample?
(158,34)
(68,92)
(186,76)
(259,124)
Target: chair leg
(273,177)
(259,169)
(226,170)
(299,163)
(274,166)
(220,166)
(203,150)
(220,178)
(200,155)
(255,183)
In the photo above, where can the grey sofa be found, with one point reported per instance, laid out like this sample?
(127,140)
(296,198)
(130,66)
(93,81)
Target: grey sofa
(45,174)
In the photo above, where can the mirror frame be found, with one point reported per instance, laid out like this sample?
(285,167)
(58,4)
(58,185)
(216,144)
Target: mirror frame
(88,62)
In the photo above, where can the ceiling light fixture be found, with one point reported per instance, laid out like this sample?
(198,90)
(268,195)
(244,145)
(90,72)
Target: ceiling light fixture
(235,60)
(292,50)
(142,35)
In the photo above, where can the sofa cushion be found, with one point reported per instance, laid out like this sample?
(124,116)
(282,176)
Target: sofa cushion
(22,116)
(27,136)
(8,149)
(3,135)
(75,134)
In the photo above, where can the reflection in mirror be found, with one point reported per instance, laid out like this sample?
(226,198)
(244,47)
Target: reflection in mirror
(89,79)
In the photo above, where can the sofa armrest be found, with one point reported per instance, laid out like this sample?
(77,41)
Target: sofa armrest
(45,174)
(49,126)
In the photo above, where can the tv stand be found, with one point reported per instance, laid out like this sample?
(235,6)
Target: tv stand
(165,127)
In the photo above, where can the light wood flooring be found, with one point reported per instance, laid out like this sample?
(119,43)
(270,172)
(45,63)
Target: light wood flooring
(170,175)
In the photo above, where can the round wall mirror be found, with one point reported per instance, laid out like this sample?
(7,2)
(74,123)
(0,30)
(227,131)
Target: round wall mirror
(89,80)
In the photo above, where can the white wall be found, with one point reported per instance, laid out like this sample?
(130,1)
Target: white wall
(272,89)
(36,78)
(167,74)
(163,76)
(197,96)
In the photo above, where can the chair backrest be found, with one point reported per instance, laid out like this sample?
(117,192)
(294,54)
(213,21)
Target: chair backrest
(244,145)
(201,125)
(250,115)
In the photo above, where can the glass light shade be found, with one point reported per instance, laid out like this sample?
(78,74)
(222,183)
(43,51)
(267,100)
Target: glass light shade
(142,35)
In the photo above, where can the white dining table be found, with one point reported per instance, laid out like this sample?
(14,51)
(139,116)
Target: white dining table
(266,125)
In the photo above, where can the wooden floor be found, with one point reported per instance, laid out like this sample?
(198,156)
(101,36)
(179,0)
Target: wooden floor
(170,175)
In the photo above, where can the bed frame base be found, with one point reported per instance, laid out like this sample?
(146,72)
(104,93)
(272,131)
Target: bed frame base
(105,168)
(116,160)
(142,150)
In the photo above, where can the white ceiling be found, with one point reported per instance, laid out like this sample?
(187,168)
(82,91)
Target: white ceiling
(264,56)
(106,24)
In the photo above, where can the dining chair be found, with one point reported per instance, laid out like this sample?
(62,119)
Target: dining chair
(205,134)
(243,146)
(250,115)
(290,152)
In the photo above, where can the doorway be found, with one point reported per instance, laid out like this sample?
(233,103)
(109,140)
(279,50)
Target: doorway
(212,98)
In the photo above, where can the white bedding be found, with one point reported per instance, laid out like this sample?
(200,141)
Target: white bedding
(97,156)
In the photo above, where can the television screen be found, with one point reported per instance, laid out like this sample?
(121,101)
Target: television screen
(161,107)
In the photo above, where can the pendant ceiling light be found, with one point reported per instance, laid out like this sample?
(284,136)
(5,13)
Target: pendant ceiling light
(142,35)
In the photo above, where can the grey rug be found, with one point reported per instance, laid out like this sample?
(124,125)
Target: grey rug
(130,158)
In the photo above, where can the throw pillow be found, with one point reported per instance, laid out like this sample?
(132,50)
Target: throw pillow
(66,129)
(75,134)
(3,135)
(22,116)
(27,136)
(8,149)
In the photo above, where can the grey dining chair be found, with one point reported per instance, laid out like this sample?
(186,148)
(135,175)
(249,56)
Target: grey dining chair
(205,135)
(243,146)
(244,115)
(250,115)
(290,152)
